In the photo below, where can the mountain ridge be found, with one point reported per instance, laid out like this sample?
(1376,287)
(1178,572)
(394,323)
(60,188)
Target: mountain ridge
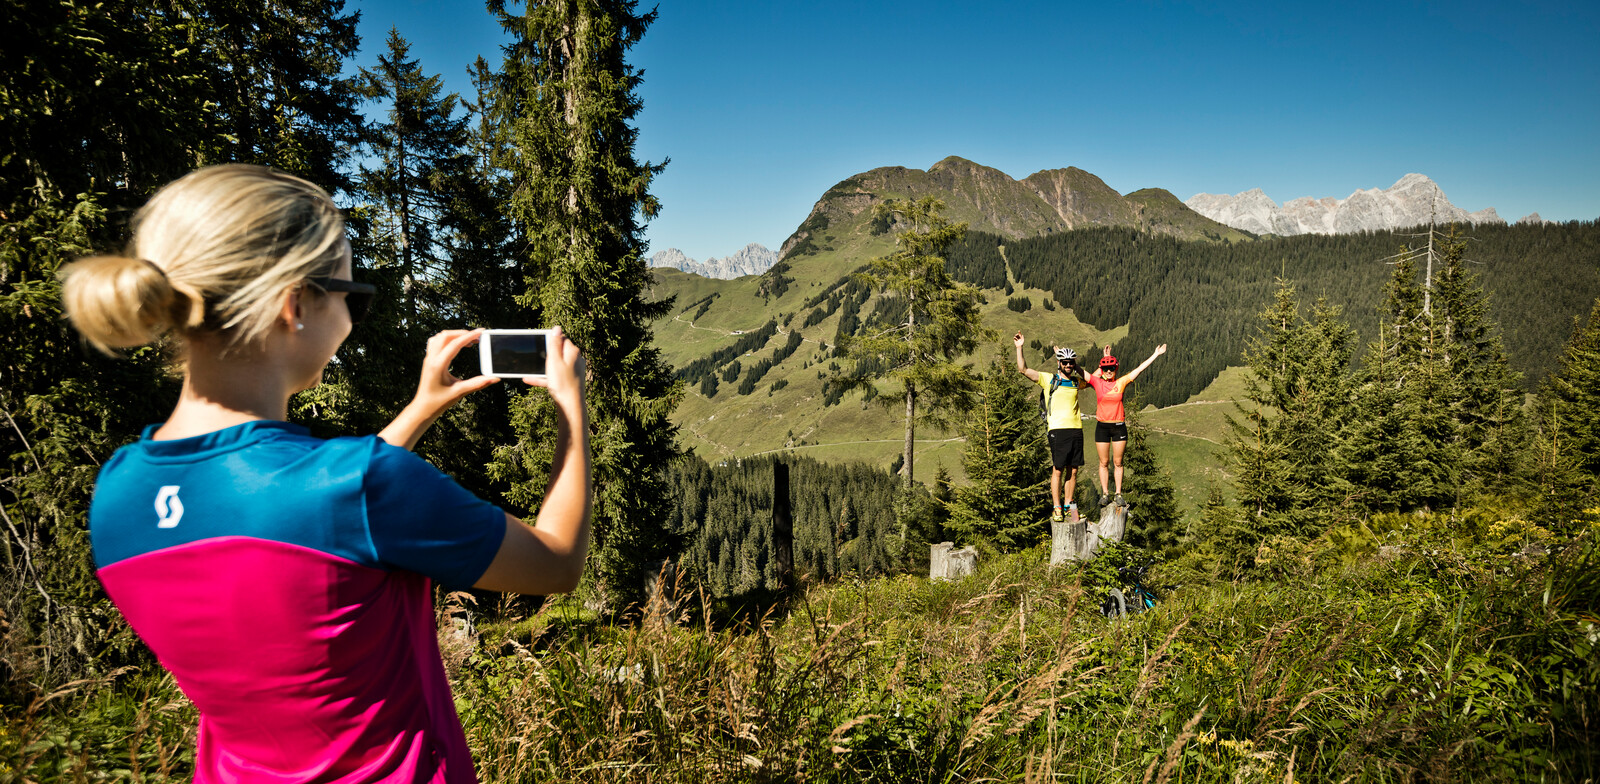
(989,200)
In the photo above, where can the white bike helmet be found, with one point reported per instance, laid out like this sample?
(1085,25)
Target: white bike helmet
(1066,355)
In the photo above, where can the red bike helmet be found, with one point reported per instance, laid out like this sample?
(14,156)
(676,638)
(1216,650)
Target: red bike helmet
(1108,362)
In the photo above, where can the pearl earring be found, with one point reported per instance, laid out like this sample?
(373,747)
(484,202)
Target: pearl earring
(299,326)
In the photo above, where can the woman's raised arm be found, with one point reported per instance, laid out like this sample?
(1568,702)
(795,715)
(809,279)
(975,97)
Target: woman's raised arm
(1161,349)
(548,557)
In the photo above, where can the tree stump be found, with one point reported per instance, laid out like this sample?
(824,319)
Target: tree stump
(1066,541)
(945,562)
(1082,540)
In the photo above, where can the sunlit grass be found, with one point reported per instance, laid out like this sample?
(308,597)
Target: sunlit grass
(1441,664)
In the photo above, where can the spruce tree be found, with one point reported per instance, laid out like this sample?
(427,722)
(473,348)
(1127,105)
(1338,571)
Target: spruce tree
(1483,395)
(279,95)
(433,235)
(925,322)
(418,150)
(1568,450)
(1154,521)
(1384,461)
(400,247)
(1389,456)
(1297,398)
(1575,393)
(102,104)
(1006,463)
(565,102)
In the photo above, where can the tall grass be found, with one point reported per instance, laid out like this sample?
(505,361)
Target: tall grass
(1432,668)
(1435,666)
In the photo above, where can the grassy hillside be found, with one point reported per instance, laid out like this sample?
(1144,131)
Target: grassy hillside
(793,417)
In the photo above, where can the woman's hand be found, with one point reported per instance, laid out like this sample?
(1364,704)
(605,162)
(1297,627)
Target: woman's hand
(438,389)
(565,373)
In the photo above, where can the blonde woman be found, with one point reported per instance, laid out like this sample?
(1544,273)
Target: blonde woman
(285,579)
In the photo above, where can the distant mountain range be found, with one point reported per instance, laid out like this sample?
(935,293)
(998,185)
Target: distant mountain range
(840,224)
(1414,200)
(752,259)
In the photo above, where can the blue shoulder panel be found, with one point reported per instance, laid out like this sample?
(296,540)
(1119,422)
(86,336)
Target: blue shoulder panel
(354,498)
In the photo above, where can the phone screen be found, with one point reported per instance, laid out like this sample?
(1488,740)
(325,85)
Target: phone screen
(522,355)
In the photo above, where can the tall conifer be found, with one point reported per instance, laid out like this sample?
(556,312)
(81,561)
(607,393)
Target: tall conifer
(1154,521)
(276,80)
(1568,450)
(924,323)
(101,104)
(404,191)
(419,148)
(1389,456)
(565,101)
(1297,398)
(1483,397)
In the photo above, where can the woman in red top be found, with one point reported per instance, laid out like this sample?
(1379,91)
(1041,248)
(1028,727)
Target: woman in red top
(1111,426)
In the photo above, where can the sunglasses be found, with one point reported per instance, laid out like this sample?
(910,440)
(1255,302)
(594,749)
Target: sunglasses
(358,296)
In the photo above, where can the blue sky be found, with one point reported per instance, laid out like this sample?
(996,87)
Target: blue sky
(762,106)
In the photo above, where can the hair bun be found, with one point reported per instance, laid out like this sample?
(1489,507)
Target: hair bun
(120,302)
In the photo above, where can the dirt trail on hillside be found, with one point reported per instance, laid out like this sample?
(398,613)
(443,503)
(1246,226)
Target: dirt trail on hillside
(873,441)
(781,331)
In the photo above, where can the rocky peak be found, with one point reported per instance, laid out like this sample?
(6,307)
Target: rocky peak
(752,259)
(1413,200)
(1251,211)
(671,257)
(1080,198)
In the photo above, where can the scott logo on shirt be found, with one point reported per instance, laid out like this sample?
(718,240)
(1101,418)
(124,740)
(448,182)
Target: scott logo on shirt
(169,510)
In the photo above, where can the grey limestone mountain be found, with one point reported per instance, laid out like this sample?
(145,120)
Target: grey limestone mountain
(1532,220)
(1414,200)
(752,259)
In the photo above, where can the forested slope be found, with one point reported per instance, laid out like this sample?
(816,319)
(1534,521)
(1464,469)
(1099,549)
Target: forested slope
(1201,298)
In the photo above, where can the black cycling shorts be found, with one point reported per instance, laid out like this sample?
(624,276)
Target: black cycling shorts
(1105,432)
(1066,448)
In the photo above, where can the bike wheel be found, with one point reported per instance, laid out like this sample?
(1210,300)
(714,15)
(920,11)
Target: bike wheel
(1115,604)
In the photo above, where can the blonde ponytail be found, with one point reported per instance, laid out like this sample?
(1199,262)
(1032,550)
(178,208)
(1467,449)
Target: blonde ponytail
(120,302)
(212,252)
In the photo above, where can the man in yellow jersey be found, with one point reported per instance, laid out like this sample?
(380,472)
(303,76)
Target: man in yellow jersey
(1064,422)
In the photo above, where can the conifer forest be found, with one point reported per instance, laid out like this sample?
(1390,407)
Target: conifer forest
(1399,579)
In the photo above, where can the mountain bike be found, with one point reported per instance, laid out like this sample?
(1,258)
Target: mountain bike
(1133,597)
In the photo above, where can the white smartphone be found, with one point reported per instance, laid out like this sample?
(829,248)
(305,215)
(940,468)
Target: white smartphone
(514,353)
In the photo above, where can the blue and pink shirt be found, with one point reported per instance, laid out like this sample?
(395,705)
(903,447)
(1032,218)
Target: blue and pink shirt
(284,580)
